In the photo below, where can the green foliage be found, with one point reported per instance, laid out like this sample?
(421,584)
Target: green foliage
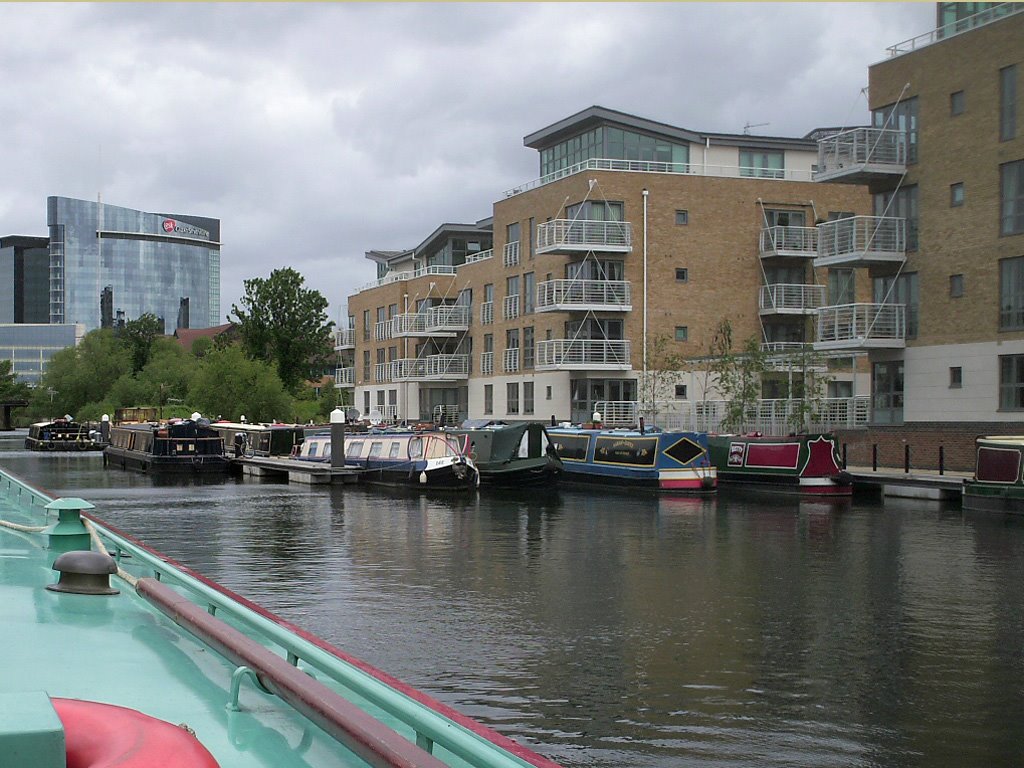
(10,387)
(138,337)
(810,385)
(285,324)
(201,346)
(738,374)
(229,384)
(328,399)
(79,376)
(665,368)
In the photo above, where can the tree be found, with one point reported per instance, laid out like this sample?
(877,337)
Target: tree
(10,387)
(78,376)
(138,336)
(665,369)
(285,324)
(228,383)
(738,375)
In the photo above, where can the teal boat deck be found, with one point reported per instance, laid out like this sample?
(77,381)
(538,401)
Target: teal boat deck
(124,650)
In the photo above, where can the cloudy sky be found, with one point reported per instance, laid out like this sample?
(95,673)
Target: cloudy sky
(316,132)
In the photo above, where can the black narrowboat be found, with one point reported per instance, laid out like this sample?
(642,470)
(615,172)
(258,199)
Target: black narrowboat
(64,434)
(186,446)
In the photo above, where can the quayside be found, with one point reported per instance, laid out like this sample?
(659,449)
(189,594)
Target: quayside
(161,640)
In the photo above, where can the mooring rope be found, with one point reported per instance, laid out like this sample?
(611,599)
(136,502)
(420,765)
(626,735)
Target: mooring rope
(23,528)
(97,542)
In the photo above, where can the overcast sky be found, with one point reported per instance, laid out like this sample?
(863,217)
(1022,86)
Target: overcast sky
(316,132)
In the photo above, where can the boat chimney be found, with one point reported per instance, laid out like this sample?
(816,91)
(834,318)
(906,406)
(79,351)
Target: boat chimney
(84,572)
(641,425)
(337,438)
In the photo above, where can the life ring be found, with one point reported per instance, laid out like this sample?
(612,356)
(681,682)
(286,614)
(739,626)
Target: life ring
(106,736)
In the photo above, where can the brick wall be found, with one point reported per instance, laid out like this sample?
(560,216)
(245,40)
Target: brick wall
(924,440)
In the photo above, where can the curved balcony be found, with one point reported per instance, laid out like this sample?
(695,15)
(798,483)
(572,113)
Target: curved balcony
(861,326)
(583,355)
(345,377)
(791,299)
(860,241)
(790,242)
(344,338)
(584,296)
(583,236)
(510,254)
(862,155)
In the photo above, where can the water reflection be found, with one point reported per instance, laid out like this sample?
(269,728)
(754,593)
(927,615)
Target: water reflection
(611,629)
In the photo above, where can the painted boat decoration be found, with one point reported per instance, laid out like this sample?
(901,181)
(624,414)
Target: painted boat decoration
(998,483)
(808,464)
(246,439)
(511,455)
(432,460)
(185,446)
(64,434)
(108,655)
(665,461)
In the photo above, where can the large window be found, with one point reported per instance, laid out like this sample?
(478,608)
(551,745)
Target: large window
(775,218)
(512,397)
(1011,382)
(1007,103)
(529,347)
(903,117)
(1011,294)
(527,397)
(595,210)
(512,233)
(841,284)
(611,143)
(900,290)
(1011,198)
(887,388)
(762,164)
(529,292)
(488,398)
(901,204)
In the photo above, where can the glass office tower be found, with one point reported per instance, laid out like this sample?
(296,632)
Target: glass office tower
(110,264)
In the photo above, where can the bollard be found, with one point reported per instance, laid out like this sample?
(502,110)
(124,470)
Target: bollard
(337,438)
(942,460)
(906,458)
(874,457)
(845,446)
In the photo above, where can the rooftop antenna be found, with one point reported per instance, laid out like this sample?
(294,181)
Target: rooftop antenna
(748,126)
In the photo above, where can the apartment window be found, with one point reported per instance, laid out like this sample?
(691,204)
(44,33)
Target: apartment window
(956,377)
(1007,103)
(527,397)
(682,275)
(489,292)
(782,218)
(1011,294)
(381,317)
(528,346)
(956,286)
(366,401)
(956,194)
(902,117)
(762,164)
(547,393)
(680,391)
(901,290)
(957,103)
(682,333)
(841,286)
(512,397)
(900,204)
(366,325)
(366,365)
(512,286)
(488,398)
(1011,382)
(392,310)
(887,389)
(530,236)
(529,291)
(512,233)
(1011,199)
(682,218)
(595,210)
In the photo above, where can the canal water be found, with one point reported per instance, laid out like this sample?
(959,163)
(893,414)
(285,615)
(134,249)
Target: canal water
(622,629)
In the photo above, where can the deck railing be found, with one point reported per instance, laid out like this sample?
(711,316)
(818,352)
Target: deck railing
(584,294)
(583,234)
(511,360)
(791,297)
(510,254)
(344,338)
(864,237)
(862,146)
(345,377)
(789,241)
(861,324)
(770,417)
(598,354)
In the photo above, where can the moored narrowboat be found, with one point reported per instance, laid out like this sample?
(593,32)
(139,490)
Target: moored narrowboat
(511,455)
(245,439)
(806,464)
(997,485)
(433,460)
(187,446)
(665,461)
(64,434)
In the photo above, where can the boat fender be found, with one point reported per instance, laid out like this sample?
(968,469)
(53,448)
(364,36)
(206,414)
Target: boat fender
(100,735)
(843,478)
(707,482)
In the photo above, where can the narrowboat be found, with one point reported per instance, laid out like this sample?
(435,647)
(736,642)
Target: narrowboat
(806,464)
(664,461)
(511,455)
(137,660)
(433,460)
(180,446)
(246,439)
(64,434)
(997,485)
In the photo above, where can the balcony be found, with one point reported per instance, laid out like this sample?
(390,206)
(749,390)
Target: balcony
(487,313)
(584,295)
(860,241)
(510,254)
(582,236)
(407,324)
(790,242)
(447,320)
(487,363)
(431,368)
(382,330)
(583,355)
(345,377)
(862,155)
(861,326)
(512,360)
(510,307)
(791,299)
(479,256)
(344,338)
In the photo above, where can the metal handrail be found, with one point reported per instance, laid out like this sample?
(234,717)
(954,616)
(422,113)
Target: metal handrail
(584,292)
(584,233)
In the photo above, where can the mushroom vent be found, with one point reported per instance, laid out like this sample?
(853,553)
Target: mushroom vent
(84,572)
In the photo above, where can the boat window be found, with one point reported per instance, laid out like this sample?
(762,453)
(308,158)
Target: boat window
(455,445)
(395,448)
(375,448)
(354,449)
(327,451)
(415,447)
(312,449)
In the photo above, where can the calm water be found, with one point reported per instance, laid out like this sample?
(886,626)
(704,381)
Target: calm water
(630,630)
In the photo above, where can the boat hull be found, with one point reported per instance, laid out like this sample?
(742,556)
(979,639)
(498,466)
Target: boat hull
(801,464)
(998,482)
(164,465)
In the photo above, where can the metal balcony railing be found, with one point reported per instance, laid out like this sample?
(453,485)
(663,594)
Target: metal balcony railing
(510,307)
(397,277)
(510,254)
(511,360)
(860,154)
(857,326)
(433,367)
(479,256)
(382,372)
(583,354)
(344,338)
(487,313)
(344,377)
(789,241)
(791,299)
(861,241)
(957,27)
(447,318)
(584,295)
(487,363)
(581,235)
(770,417)
(618,413)
(382,330)
(408,324)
